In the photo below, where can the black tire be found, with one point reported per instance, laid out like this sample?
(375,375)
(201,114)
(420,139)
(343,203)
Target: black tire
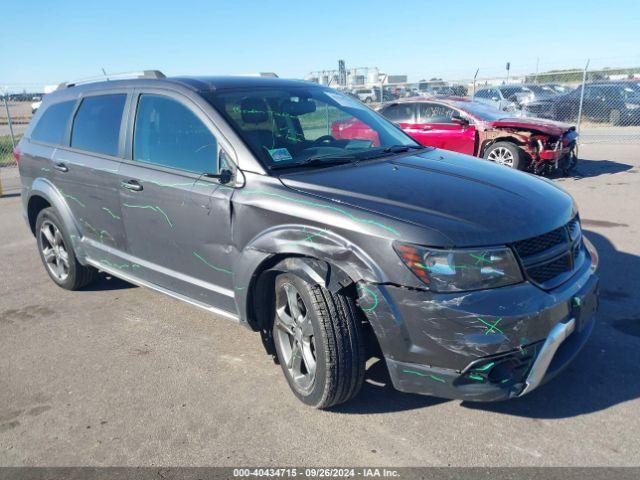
(339,349)
(519,161)
(77,275)
(368,100)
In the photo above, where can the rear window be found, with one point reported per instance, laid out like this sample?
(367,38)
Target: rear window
(52,126)
(96,127)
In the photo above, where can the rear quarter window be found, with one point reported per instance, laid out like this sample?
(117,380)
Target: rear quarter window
(52,126)
(96,127)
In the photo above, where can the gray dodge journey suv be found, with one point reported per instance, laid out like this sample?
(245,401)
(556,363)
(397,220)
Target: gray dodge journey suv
(471,280)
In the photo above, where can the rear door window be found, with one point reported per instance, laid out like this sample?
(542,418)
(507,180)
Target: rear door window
(96,127)
(169,134)
(435,113)
(52,126)
(400,112)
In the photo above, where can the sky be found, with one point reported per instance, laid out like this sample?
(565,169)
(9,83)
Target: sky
(48,41)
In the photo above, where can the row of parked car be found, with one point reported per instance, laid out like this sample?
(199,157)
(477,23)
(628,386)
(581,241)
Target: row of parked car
(617,103)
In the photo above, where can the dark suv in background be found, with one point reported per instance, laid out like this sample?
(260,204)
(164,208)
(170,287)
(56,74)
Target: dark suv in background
(471,280)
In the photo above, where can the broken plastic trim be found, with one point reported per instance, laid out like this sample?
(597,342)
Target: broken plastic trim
(558,334)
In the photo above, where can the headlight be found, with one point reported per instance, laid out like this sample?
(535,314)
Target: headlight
(631,106)
(463,269)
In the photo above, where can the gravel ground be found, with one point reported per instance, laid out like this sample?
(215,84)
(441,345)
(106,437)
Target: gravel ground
(120,375)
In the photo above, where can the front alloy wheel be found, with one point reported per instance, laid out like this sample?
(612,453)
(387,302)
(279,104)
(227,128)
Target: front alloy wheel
(319,341)
(501,156)
(294,334)
(506,154)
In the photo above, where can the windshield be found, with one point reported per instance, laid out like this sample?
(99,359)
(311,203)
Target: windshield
(292,125)
(481,111)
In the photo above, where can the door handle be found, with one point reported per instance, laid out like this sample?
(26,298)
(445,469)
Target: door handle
(131,185)
(61,167)
(426,127)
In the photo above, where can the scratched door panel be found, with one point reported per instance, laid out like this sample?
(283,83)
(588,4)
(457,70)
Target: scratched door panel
(89,185)
(178,233)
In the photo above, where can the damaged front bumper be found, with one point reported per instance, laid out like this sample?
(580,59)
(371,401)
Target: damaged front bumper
(483,346)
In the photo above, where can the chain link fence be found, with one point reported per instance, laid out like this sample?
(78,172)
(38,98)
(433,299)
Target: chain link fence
(17,104)
(602,102)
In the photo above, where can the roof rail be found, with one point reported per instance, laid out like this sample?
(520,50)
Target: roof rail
(115,76)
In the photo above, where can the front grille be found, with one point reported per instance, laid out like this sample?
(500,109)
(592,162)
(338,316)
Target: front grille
(547,271)
(535,245)
(549,259)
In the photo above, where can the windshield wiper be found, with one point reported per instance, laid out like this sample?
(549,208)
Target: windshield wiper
(393,149)
(322,160)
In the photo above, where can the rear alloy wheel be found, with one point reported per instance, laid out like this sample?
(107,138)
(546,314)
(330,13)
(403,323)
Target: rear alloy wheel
(318,340)
(57,255)
(506,154)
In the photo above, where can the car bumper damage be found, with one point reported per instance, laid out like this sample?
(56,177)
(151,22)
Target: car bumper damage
(485,345)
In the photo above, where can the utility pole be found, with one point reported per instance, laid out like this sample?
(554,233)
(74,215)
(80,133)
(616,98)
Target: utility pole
(474,82)
(584,80)
(508,68)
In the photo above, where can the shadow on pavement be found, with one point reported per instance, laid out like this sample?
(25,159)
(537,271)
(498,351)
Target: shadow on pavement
(106,282)
(603,375)
(594,168)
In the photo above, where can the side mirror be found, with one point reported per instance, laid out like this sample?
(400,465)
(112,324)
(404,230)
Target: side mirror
(223,177)
(459,121)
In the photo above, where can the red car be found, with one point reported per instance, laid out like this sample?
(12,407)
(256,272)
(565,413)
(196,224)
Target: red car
(530,144)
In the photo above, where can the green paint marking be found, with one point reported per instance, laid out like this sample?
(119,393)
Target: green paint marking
(577,301)
(420,374)
(324,206)
(104,233)
(478,378)
(373,295)
(150,207)
(413,372)
(111,213)
(491,327)
(239,289)
(481,258)
(485,367)
(71,197)
(120,266)
(308,238)
(505,380)
(88,225)
(219,269)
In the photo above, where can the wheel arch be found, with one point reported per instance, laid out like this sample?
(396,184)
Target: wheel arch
(325,258)
(503,138)
(44,194)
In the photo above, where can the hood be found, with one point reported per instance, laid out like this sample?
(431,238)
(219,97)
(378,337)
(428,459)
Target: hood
(538,124)
(469,202)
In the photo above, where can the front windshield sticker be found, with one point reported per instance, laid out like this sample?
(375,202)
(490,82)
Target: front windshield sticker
(280,154)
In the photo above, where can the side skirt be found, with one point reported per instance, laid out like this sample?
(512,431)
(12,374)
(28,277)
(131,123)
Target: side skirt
(143,283)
